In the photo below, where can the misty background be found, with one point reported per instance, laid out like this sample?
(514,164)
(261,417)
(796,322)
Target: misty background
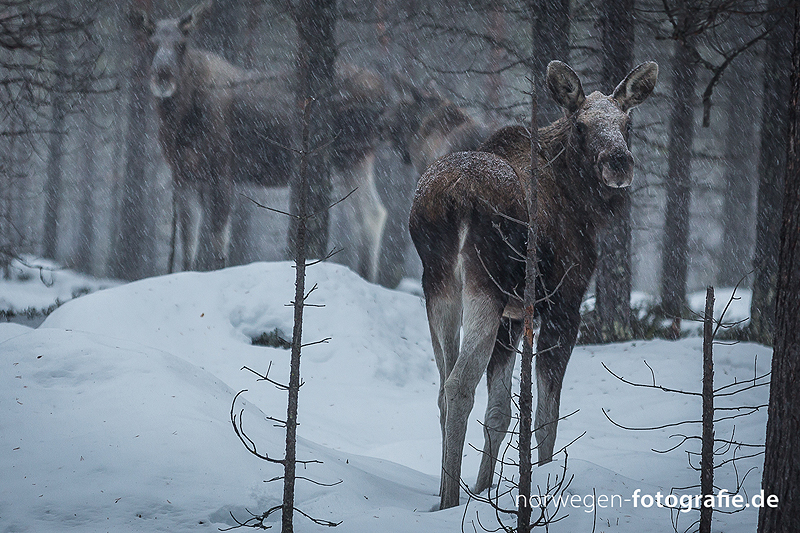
(69,150)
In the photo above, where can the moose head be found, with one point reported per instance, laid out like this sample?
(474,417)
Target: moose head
(400,122)
(600,124)
(169,40)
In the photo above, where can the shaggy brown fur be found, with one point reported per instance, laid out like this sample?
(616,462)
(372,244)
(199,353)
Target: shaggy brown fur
(468,223)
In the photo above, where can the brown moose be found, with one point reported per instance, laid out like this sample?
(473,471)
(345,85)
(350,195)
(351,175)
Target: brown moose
(423,125)
(466,224)
(220,125)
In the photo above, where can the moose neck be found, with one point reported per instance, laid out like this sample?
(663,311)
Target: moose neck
(174,108)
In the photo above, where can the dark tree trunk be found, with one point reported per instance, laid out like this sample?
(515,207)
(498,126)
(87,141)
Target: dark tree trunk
(248,52)
(526,428)
(737,193)
(771,171)
(496,29)
(221,28)
(395,181)
(88,178)
(290,458)
(707,439)
(241,246)
(55,160)
(131,254)
(782,456)
(550,41)
(316,28)
(402,179)
(613,279)
(675,251)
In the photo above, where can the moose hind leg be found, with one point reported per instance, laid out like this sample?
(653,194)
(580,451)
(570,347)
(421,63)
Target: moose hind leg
(556,340)
(444,319)
(498,408)
(481,319)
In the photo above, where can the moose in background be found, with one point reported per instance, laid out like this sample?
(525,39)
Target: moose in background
(220,125)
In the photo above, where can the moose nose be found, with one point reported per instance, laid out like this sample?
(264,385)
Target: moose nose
(162,83)
(616,168)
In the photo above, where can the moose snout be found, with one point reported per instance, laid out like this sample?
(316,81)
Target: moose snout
(163,83)
(616,168)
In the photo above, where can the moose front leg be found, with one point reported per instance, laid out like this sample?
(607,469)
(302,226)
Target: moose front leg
(186,200)
(556,339)
(218,207)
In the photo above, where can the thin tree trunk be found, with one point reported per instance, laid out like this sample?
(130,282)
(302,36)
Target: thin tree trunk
(290,458)
(241,250)
(675,251)
(613,278)
(771,171)
(55,161)
(529,300)
(550,41)
(707,446)
(496,28)
(394,180)
(86,234)
(220,30)
(316,25)
(737,193)
(130,257)
(782,456)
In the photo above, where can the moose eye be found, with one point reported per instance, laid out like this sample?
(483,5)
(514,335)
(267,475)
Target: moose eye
(580,129)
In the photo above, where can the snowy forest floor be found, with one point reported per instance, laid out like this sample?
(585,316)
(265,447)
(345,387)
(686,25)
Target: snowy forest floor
(115,411)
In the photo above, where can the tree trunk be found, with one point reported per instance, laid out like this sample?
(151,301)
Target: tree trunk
(737,193)
(394,180)
(782,456)
(771,171)
(707,439)
(221,37)
(550,41)
(55,160)
(613,278)
(675,251)
(316,28)
(290,458)
(88,178)
(130,257)
(221,28)
(526,428)
(496,29)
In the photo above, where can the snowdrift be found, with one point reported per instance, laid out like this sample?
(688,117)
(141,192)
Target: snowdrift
(115,412)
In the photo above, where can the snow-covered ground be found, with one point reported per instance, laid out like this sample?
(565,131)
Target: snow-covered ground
(114,413)
(37,286)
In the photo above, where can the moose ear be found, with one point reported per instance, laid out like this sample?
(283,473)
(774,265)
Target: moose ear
(636,86)
(140,21)
(565,86)
(192,18)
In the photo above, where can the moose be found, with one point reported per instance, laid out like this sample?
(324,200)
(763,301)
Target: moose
(423,126)
(220,125)
(468,223)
